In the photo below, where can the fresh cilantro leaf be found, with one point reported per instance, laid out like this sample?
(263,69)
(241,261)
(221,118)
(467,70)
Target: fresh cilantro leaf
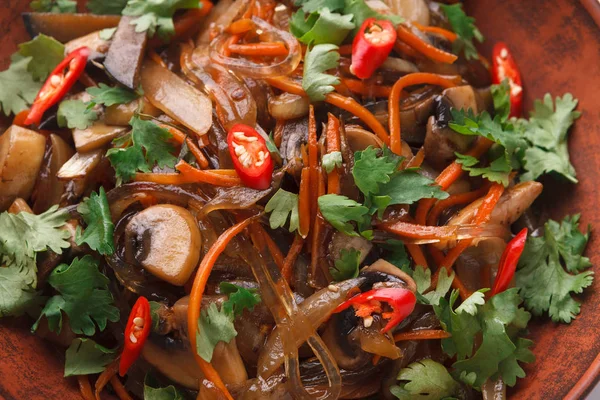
(321,27)
(547,131)
(270,142)
(214,326)
(17,291)
(425,380)
(282,205)
(106,7)
(464,27)
(156,16)
(395,253)
(408,187)
(100,228)
(54,6)
(83,296)
(108,95)
(339,211)
(498,170)
(18,90)
(148,146)
(346,266)
(74,114)
(332,160)
(370,170)
(501,98)
(315,82)
(422,277)
(107,34)
(239,299)
(361,11)
(550,269)
(153,392)
(84,357)
(311,6)
(45,52)
(155,307)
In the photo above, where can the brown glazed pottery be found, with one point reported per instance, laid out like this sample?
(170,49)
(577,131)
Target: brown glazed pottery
(557,46)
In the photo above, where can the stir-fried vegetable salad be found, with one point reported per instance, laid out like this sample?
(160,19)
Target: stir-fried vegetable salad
(255,199)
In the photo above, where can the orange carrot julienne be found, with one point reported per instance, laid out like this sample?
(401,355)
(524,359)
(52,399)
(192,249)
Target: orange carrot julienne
(417,160)
(304,203)
(156,58)
(436,254)
(273,249)
(425,334)
(200,280)
(259,49)
(292,256)
(417,78)
(240,26)
(313,163)
(359,87)
(119,389)
(451,36)
(85,388)
(429,51)
(417,255)
(180,137)
(206,176)
(318,224)
(403,48)
(453,200)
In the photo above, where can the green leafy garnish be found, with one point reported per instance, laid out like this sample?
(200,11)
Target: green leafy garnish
(501,98)
(18,90)
(346,266)
(156,16)
(552,267)
(214,326)
(110,95)
(106,7)
(464,27)
(84,357)
(425,380)
(498,170)
(74,114)
(332,160)
(239,298)
(99,233)
(370,170)
(282,205)
(54,6)
(147,145)
(317,60)
(395,253)
(45,52)
(339,211)
(107,34)
(546,131)
(422,277)
(361,11)
(153,392)
(321,27)
(83,296)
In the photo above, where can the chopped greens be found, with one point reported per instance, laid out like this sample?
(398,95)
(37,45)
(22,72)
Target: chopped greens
(74,114)
(239,298)
(315,81)
(99,232)
(332,160)
(18,89)
(340,211)
(156,16)
(153,392)
(425,380)
(282,205)
(346,266)
(84,357)
(45,52)
(464,27)
(54,6)
(110,95)
(214,326)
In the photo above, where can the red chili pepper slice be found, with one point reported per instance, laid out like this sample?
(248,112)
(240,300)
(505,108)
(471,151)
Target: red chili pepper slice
(371,46)
(508,262)
(402,301)
(251,157)
(504,67)
(136,332)
(58,84)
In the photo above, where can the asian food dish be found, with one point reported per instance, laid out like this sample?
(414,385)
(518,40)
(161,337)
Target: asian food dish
(255,199)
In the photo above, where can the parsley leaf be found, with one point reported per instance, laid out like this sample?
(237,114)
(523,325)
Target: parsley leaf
(501,98)
(17,88)
(422,277)
(152,392)
(361,11)
(108,96)
(156,16)
(83,296)
(370,171)
(54,6)
(426,380)
(17,291)
(339,211)
(395,253)
(239,298)
(106,7)
(84,357)
(408,187)
(547,131)
(498,170)
(214,326)
(100,229)
(321,27)
(346,266)
(315,82)
(45,52)
(74,114)
(282,205)
(311,6)
(148,145)
(332,160)
(550,269)
(107,34)
(464,27)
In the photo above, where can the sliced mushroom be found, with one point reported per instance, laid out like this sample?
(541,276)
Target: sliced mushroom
(464,98)
(95,136)
(126,54)
(21,155)
(384,267)
(166,241)
(293,136)
(80,165)
(65,27)
(360,138)
(121,114)
(93,41)
(411,10)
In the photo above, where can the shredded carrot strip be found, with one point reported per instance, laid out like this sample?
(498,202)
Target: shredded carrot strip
(359,87)
(453,200)
(318,225)
(313,163)
(85,388)
(436,254)
(185,24)
(451,36)
(417,255)
(156,58)
(345,103)
(429,51)
(197,292)
(240,26)
(271,49)
(403,48)
(273,248)
(417,78)
(292,256)
(206,176)
(425,334)
(119,388)
(417,160)
(449,176)
(333,144)
(195,150)
(304,203)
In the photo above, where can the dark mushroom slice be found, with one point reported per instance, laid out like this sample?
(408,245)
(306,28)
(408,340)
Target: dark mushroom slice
(340,241)
(126,53)
(98,46)
(80,165)
(360,138)
(293,136)
(165,240)
(65,27)
(21,154)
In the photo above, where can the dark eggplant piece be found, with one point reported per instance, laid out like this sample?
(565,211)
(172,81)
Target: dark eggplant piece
(66,27)
(126,53)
